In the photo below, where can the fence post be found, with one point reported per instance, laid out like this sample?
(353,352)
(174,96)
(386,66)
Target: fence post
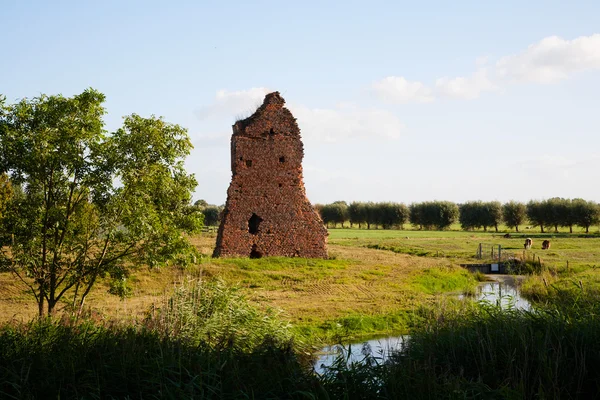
(499,252)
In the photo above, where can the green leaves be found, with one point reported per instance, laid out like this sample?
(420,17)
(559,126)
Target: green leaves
(86,203)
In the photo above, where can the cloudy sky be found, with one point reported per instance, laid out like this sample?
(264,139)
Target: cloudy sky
(399,101)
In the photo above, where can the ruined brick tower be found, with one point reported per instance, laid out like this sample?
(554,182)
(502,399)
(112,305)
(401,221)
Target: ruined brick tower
(267,212)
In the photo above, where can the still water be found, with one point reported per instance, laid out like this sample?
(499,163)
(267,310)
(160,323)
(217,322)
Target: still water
(503,291)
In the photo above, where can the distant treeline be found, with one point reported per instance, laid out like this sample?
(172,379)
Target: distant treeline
(546,214)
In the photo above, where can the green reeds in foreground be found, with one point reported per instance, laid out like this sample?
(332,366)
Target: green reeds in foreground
(206,342)
(485,352)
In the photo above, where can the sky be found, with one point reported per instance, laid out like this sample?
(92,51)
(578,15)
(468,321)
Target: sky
(396,101)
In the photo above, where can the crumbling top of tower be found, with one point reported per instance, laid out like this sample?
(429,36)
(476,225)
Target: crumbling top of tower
(271,118)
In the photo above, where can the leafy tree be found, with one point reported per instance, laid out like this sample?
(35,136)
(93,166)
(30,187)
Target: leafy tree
(340,212)
(371,214)
(201,204)
(6,193)
(492,214)
(434,214)
(514,214)
(212,215)
(357,213)
(391,214)
(332,213)
(469,215)
(415,214)
(89,205)
(556,210)
(537,214)
(447,214)
(403,214)
(587,213)
(569,218)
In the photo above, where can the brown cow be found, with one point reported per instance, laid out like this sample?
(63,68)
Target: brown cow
(545,245)
(528,243)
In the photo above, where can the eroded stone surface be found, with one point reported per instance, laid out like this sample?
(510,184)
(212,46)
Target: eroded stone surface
(267,212)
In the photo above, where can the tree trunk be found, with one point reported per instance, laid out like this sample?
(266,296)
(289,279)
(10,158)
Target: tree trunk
(555,228)
(51,307)
(368,225)
(41,304)
(587,229)
(496,226)
(517,228)
(570,228)
(542,227)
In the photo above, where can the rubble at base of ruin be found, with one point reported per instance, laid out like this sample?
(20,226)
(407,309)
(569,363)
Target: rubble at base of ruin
(267,212)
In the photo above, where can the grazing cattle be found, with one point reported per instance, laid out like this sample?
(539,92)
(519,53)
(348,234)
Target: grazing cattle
(507,236)
(528,243)
(545,245)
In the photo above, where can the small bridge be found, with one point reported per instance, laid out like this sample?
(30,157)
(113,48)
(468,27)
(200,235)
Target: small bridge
(493,259)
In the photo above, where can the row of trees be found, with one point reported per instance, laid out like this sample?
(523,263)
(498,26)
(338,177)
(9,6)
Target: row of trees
(387,215)
(555,212)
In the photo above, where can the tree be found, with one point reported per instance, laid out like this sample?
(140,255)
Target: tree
(514,214)
(587,213)
(357,213)
(415,214)
(403,214)
(434,214)
(340,212)
(492,214)
(212,215)
(569,218)
(557,210)
(536,213)
(391,214)
(447,214)
(469,215)
(371,215)
(201,204)
(6,193)
(87,205)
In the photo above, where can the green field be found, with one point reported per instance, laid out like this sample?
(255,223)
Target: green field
(217,327)
(373,284)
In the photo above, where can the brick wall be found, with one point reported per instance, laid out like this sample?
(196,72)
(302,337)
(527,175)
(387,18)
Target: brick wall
(267,212)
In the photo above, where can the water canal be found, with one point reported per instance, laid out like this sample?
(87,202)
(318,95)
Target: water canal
(501,290)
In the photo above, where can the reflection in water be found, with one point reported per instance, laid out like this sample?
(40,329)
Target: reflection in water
(380,349)
(502,291)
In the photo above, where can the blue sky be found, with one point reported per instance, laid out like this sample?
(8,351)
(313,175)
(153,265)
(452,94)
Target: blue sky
(398,101)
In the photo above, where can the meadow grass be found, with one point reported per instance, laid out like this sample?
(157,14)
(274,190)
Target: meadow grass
(205,341)
(380,275)
(240,328)
(456,350)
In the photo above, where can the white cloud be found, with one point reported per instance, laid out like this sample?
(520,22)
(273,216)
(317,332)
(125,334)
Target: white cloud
(346,122)
(547,61)
(396,89)
(551,59)
(236,104)
(466,87)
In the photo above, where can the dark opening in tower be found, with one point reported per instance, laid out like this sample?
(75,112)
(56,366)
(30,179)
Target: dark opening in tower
(254,224)
(254,253)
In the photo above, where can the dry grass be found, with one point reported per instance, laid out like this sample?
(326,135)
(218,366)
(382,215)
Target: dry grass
(356,280)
